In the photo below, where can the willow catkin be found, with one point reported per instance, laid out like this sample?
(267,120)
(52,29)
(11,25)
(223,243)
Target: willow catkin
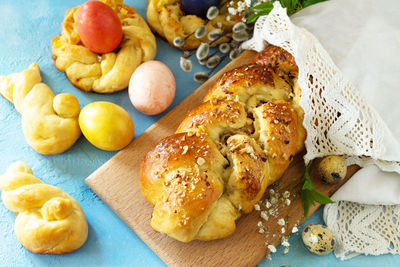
(200,32)
(179,41)
(200,77)
(212,12)
(202,51)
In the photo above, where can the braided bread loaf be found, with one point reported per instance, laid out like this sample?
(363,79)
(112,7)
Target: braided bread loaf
(50,123)
(109,72)
(168,19)
(226,151)
(49,221)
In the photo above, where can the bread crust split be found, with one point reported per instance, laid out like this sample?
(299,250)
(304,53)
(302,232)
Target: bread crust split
(226,151)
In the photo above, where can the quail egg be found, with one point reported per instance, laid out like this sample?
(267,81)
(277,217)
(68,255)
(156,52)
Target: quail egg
(332,169)
(318,239)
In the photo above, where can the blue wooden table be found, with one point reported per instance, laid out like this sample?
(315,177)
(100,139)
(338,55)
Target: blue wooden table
(26,28)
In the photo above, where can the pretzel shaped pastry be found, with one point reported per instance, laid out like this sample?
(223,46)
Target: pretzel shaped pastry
(110,72)
(226,151)
(50,123)
(168,19)
(49,221)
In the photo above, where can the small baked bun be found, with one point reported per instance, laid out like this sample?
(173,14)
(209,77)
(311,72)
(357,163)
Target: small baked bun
(49,221)
(103,73)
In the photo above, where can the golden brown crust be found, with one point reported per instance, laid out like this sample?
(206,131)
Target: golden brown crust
(181,150)
(48,221)
(240,139)
(188,197)
(248,180)
(277,59)
(168,19)
(214,118)
(103,73)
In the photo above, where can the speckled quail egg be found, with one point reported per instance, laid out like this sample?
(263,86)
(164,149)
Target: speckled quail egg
(332,169)
(318,239)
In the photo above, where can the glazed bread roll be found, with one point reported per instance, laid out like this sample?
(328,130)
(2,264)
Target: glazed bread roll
(226,151)
(49,221)
(103,73)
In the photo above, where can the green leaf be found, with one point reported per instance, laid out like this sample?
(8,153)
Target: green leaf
(263,6)
(307,179)
(254,16)
(307,202)
(321,198)
(307,3)
(309,195)
(292,6)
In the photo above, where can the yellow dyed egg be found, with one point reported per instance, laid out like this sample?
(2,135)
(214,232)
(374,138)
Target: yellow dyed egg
(106,125)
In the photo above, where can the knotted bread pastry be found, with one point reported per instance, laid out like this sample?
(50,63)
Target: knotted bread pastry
(49,221)
(110,72)
(50,123)
(226,151)
(168,19)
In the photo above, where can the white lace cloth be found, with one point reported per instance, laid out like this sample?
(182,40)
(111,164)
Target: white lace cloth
(363,39)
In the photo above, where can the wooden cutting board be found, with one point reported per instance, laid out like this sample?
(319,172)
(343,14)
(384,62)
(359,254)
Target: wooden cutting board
(117,184)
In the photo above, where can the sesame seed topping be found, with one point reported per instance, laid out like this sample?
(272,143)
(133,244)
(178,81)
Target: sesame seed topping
(185,149)
(201,161)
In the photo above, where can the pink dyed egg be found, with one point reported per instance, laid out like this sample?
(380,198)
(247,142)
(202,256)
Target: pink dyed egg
(152,87)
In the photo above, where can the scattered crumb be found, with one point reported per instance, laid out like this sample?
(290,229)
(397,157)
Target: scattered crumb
(271,191)
(286,194)
(272,248)
(286,250)
(264,215)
